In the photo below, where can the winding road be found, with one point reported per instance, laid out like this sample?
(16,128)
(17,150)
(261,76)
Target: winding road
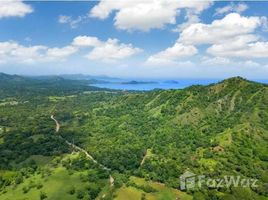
(57,124)
(111,179)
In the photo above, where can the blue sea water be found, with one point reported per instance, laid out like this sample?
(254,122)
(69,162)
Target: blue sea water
(159,84)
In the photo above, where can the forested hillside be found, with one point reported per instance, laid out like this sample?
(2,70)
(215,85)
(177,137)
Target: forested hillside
(18,86)
(146,140)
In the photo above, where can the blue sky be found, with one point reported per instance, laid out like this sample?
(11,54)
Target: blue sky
(146,39)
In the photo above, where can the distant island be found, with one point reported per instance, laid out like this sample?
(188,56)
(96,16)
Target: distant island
(139,82)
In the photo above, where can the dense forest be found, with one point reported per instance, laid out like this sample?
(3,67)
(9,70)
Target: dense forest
(141,142)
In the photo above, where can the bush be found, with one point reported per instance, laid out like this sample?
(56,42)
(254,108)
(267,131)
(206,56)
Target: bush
(25,189)
(80,194)
(72,190)
(43,195)
(39,186)
(19,180)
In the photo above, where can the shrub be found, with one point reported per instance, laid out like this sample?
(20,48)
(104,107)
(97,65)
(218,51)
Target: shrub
(72,190)
(43,195)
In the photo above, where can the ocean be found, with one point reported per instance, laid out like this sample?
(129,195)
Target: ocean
(145,85)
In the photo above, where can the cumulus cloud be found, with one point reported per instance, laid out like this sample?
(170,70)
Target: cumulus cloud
(60,53)
(106,51)
(145,15)
(15,8)
(86,41)
(190,18)
(11,51)
(240,50)
(231,36)
(112,50)
(172,54)
(238,8)
(219,30)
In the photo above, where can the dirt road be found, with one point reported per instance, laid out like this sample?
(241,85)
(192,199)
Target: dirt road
(57,124)
(111,179)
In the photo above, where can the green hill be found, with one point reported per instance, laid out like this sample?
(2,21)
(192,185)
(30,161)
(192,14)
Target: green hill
(25,86)
(215,130)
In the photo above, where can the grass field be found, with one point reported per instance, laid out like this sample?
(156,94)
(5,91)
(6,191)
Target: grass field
(59,98)
(162,192)
(56,187)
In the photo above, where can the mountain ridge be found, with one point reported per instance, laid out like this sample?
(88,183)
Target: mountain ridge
(4,76)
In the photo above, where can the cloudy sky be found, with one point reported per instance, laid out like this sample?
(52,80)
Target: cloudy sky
(141,38)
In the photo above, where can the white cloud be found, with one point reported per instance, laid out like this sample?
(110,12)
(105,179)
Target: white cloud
(240,50)
(172,54)
(145,15)
(14,8)
(222,61)
(219,30)
(106,51)
(190,19)
(154,60)
(60,53)
(112,50)
(63,19)
(86,41)
(238,8)
(229,33)
(215,61)
(73,23)
(12,52)
(232,36)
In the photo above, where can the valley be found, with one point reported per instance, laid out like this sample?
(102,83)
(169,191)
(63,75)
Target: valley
(74,141)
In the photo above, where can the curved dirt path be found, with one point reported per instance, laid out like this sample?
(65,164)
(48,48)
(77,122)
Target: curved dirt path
(57,124)
(87,154)
(111,179)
